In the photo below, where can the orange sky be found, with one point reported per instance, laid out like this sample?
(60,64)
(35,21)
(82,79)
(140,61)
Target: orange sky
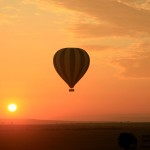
(116,35)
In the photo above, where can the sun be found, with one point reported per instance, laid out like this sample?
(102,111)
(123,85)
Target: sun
(12,107)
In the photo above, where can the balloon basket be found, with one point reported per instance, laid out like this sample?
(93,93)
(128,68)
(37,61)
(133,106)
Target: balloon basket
(71,90)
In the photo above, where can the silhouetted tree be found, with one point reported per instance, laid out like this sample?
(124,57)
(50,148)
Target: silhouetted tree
(127,141)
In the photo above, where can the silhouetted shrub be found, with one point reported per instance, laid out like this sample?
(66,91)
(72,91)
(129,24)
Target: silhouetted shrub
(127,141)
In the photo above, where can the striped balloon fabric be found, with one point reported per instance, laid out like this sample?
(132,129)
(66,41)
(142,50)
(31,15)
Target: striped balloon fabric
(71,64)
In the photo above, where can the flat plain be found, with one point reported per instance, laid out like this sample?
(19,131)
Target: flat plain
(72,136)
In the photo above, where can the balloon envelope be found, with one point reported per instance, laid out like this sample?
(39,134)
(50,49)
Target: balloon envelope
(71,64)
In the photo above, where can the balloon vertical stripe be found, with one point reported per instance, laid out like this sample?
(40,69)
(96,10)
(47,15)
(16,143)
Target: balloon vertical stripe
(58,63)
(72,65)
(77,65)
(62,65)
(85,63)
(83,66)
(66,65)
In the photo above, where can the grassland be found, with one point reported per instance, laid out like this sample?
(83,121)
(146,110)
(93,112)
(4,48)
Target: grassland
(71,136)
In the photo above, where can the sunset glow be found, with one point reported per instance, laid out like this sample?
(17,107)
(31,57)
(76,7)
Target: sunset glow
(115,34)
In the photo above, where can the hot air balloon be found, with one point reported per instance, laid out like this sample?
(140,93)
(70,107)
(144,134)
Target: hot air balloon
(71,64)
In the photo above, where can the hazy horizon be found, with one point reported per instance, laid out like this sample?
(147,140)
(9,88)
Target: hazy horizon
(102,118)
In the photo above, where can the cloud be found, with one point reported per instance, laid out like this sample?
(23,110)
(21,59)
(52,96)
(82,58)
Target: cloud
(139,4)
(97,47)
(6,19)
(13,12)
(8,12)
(136,66)
(113,18)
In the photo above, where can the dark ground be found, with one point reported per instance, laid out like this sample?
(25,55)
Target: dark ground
(76,136)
